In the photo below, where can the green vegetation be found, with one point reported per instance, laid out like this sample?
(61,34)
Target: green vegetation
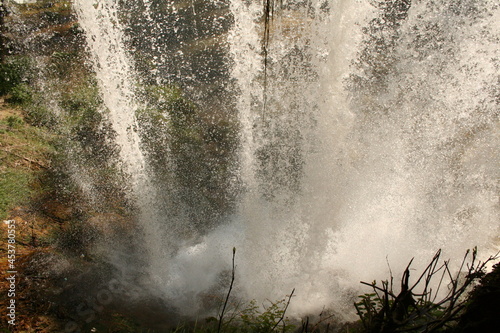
(14,189)
(60,94)
(14,71)
(21,94)
(23,151)
(253,319)
(85,145)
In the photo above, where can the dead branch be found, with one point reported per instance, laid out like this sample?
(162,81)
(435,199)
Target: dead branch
(221,316)
(284,310)
(410,312)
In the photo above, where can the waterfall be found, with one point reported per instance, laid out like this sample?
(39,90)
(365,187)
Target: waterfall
(116,77)
(393,161)
(373,140)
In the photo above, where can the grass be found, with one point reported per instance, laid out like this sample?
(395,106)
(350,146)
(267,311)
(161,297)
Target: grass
(23,155)
(14,189)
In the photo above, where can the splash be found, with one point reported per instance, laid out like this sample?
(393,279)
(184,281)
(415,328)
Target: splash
(378,142)
(116,76)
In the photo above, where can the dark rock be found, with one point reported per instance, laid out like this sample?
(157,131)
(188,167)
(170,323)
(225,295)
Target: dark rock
(483,312)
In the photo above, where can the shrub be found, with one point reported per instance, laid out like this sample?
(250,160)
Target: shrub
(63,63)
(272,319)
(13,72)
(21,94)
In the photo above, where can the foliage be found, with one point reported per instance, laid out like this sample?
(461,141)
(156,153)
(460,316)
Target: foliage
(16,70)
(21,94)
(253,319)
(62,95)
(63,64)
(483,307)
(17,82)
(383,311)
(40,116)
(14,121)
(85,146)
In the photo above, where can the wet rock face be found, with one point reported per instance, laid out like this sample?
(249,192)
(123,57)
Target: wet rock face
(482,313)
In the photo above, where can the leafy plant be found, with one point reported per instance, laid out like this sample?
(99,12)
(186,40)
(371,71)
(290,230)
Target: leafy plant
(252,318)
(13,72)
(21,94)
(40,116)
(272,319)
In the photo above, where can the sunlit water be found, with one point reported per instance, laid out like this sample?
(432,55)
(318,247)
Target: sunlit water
(374,139)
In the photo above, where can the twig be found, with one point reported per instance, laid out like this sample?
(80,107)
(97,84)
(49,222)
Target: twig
(284,310)
(221,317)
(427,269)
(378,288)
(424,314)
(390,272)
(305,325)
(315,328)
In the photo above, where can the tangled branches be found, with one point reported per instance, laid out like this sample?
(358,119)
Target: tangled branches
(384,311)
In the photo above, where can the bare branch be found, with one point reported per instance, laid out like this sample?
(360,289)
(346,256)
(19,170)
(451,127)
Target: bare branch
(284,310)
(221,316)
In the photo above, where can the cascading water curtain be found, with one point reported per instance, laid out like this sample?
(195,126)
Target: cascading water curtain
(117,79)
(371,136)
(378,142)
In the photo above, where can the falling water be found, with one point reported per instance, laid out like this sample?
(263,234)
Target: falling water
(115,74)
(374,140)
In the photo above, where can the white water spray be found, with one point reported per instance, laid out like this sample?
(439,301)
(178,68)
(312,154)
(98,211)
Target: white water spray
(376,186)
(350,166)
(115,74)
